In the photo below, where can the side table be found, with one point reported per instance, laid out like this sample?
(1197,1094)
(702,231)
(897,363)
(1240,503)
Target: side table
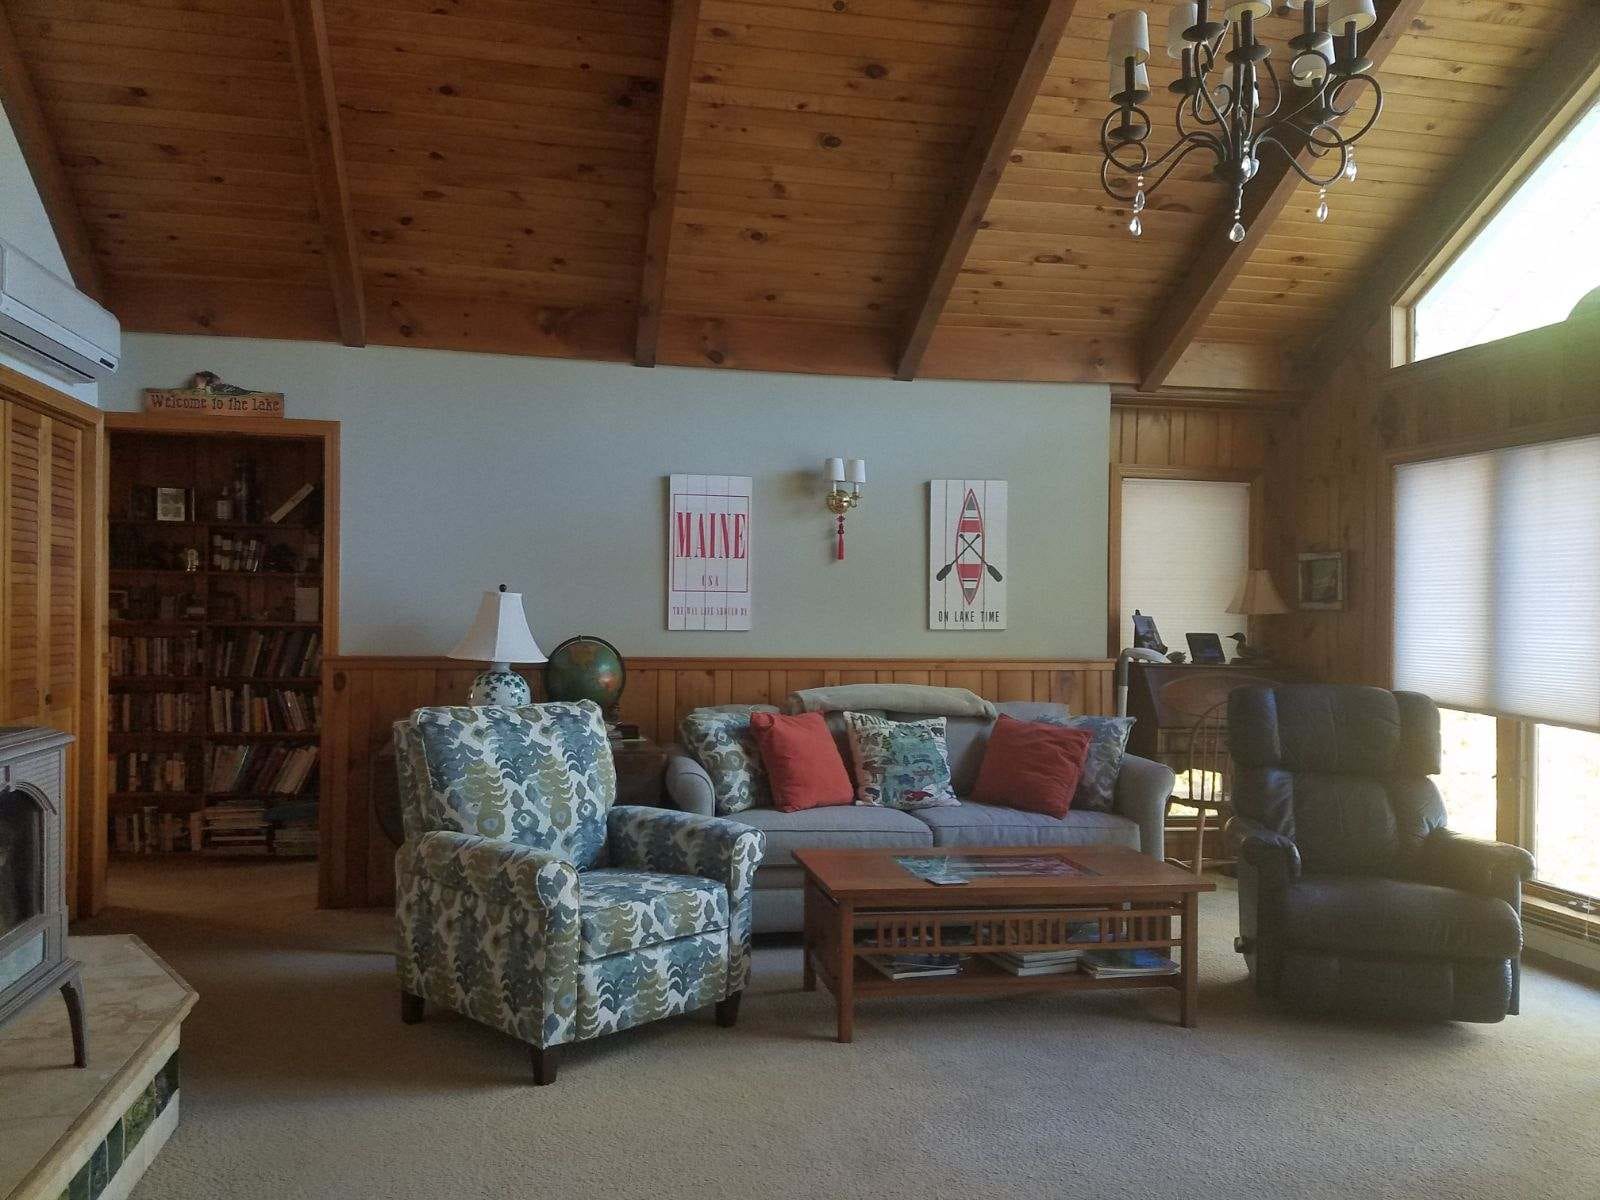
(641,772)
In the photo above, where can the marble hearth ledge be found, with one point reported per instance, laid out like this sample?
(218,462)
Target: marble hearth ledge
(89,1134)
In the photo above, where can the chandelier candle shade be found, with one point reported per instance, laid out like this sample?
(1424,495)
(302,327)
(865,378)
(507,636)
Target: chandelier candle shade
(1219,103)
(500,636)
(844,493)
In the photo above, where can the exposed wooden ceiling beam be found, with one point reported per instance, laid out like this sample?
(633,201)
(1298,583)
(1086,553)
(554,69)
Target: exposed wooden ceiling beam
(1219,261)
(1034,38)
(1536,114)
(22,106)
(664,180)
(308,39)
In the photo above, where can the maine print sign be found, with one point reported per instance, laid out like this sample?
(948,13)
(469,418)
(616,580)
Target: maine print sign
(967,554)
(708,552)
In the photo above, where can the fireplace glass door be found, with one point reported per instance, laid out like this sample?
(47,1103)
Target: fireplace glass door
(22,853)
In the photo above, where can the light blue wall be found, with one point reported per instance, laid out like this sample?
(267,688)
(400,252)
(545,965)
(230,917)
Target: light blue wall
(462,471)
(23,223)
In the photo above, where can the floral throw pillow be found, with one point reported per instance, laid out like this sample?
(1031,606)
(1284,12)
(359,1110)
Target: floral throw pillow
(900,764)
(720,739)
(1098,784)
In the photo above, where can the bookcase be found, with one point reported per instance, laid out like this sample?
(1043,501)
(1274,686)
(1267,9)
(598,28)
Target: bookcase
(222,598)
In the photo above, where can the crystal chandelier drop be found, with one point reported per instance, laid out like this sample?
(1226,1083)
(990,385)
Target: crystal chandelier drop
(1219,102)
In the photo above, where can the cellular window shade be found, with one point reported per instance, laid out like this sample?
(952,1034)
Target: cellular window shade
(1497,581)
(1185,548)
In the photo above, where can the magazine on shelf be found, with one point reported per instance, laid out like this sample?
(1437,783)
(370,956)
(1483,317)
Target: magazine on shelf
(1121,964)
(916,966)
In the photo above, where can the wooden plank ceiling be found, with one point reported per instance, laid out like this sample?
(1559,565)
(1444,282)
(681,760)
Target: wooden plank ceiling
(481,174)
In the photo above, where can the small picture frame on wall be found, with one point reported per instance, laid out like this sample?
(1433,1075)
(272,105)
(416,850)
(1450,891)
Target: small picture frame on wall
(1321,580)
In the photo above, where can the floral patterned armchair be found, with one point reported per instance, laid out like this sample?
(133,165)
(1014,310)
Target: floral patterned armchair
(525,900)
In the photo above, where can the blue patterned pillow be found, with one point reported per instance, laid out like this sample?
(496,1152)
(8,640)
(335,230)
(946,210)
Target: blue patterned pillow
(1098,784)
(721,741)
(900,764)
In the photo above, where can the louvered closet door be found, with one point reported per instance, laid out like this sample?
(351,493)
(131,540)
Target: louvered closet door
(27,475)
(63,578)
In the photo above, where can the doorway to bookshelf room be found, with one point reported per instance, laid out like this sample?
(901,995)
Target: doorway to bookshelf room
(222,602)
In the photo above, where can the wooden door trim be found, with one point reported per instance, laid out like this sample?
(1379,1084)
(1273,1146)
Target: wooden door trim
(1255,477)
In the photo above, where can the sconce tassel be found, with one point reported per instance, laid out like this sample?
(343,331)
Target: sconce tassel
(840,555)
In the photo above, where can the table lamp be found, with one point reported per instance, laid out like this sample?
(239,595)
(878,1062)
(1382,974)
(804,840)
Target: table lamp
(500,636)
(1257,597)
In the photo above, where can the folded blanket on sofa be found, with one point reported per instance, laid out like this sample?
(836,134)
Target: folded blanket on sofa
(918,698)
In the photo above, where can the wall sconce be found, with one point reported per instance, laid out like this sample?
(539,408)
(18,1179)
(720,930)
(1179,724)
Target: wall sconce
(840,500)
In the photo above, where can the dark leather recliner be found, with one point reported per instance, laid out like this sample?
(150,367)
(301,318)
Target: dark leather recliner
(1352,893)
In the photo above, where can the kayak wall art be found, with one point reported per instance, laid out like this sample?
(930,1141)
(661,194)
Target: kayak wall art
(967,563)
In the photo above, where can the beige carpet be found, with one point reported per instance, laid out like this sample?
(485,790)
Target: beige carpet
(300,1081)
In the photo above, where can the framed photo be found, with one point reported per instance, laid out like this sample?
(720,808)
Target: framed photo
(1321,578)
(1145,636)
(1206,649)
(172,504)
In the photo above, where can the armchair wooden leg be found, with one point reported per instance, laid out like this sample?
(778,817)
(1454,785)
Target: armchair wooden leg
(411,1008)
(728,1010)
(545,1060)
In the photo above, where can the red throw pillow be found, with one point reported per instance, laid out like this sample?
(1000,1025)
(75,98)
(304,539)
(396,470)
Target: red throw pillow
(1032,765)
(802,761)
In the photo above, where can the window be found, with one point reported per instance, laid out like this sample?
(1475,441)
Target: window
(1497,581)
(1466,776)
(1533,260)
(1566,809)
(1185,548)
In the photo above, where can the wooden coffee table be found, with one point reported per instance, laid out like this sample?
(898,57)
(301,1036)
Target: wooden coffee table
(862,903)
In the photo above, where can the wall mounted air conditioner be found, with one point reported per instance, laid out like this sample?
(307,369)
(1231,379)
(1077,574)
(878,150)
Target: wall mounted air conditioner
(48,323)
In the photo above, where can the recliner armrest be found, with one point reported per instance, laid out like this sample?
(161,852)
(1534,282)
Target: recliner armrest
(1475,865)
(688,784)
(502,872)
(1276,858)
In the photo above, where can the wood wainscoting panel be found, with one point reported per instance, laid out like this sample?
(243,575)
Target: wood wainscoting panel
(366,695)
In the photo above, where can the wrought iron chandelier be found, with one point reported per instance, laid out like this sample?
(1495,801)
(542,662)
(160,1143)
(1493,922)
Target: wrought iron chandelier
(1220,106)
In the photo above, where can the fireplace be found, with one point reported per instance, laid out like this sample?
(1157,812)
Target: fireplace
(33,898)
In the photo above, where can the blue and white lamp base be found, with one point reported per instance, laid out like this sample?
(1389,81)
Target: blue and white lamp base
(500,687)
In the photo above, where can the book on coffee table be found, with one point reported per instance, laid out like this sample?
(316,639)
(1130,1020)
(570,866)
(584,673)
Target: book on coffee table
(916,966)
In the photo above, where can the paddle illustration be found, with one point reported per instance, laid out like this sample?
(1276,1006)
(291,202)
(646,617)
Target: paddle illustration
(967,545)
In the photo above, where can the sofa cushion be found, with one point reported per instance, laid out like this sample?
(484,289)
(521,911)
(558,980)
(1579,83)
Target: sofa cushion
(1387,918)
(621,910)
(802,763)
(971,824)
(853,826)
(1032,765)
(720,739)
(900,764)
(1097,785)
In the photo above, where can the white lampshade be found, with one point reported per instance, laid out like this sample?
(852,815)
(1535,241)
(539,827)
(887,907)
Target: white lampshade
(835,469)
(1130,37)
(1362,13)
(500,632)
(858,470)
(1311,66)
(1119,79)
(1184,16)
(1257,596)
(1255,8)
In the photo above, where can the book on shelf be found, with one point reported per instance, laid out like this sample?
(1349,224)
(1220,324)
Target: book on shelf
(257,771)
(153,712)
(252,709)
(274,654)
(179,654)
(916,966)
(150,831)
(149,771)
(1127,964)
(288,506)
(237,554)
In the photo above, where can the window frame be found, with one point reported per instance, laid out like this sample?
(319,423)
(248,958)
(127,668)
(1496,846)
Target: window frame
(1254,552)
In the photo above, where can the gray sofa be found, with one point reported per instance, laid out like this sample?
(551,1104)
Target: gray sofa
(1140,808)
